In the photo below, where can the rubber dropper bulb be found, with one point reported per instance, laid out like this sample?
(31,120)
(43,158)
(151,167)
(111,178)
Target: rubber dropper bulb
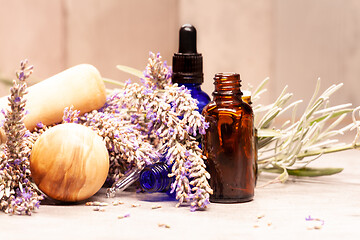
(187,39)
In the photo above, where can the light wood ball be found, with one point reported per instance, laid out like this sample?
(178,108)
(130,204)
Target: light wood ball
(69,162)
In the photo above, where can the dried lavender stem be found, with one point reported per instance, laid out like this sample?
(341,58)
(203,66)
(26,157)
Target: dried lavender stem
(17,194)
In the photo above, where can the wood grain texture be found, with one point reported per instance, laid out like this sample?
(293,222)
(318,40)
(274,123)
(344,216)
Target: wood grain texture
(80,86)
(69,162)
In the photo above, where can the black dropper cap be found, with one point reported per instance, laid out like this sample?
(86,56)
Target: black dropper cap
(187,63)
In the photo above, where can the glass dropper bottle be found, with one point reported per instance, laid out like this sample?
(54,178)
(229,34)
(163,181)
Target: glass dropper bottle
(155,178)
(188,66)
(152,178)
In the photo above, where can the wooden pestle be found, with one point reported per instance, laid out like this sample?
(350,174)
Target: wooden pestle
(80,86)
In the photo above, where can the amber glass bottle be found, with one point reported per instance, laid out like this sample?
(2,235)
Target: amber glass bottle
(246,97)
(229,142)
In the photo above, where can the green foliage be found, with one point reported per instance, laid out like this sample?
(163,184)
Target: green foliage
(298,142)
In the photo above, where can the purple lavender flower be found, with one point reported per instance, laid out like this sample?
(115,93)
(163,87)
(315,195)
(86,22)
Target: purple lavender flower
(27,134)
(146,75)
(188,164)
(37,204)
(18,201)
(134,118)
(17,161)
(17,99)
(206,202)
(202,131)
(26,195)
(148,91)
(21,76)
(158,132)
(15,166)
(39,125)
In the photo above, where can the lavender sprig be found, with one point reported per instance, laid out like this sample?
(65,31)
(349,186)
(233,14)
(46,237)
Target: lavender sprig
(176,122)
(157,72)
(168,115)
(71,115)
(17,194)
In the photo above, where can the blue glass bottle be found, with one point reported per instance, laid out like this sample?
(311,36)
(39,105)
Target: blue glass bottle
(154,178)
(188,66)
(198,94)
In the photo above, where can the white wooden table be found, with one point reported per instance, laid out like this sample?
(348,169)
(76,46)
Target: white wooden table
(278,210)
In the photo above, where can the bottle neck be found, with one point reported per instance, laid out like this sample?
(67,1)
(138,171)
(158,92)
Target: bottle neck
(154,178)
(227,87)
(190,86)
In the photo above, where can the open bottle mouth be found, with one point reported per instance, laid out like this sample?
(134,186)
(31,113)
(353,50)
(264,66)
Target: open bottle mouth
(227,75)
(227,83)
(148,180)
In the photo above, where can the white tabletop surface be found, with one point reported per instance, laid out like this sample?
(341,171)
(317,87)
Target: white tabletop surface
(278,211)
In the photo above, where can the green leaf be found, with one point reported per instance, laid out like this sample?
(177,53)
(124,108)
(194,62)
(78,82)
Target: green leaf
(130,70)
(284,176)
(260,87)
(268,133)
(111,81)
(334,115)
(307,172)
